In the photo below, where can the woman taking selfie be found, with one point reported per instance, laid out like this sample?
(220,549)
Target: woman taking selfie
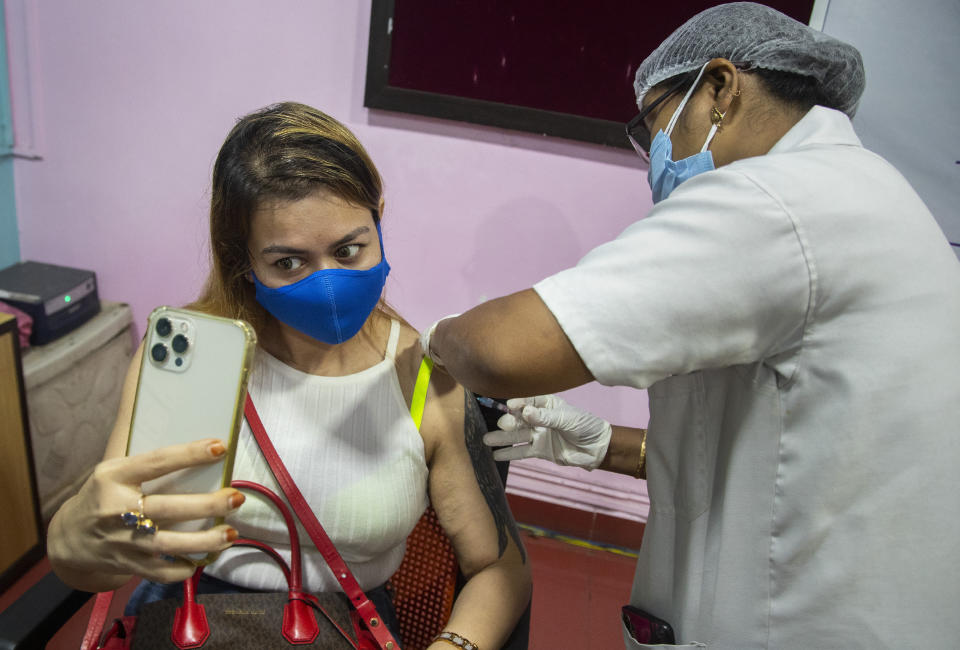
(295,226)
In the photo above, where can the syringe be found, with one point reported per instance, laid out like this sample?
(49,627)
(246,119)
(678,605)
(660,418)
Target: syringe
(493,404)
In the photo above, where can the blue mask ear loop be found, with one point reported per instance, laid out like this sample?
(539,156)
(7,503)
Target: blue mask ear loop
(383,254)
(676,114)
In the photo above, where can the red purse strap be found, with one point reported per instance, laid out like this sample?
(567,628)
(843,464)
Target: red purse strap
(341,571)
(101,607)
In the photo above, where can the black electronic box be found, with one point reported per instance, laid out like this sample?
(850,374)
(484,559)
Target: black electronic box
(58,298)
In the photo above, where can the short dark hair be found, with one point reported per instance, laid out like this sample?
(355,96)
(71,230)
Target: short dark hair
(791,88)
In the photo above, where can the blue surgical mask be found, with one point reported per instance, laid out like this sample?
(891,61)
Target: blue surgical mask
(331,305)
(665,173)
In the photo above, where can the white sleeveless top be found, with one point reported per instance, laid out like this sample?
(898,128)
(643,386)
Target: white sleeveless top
(357,457)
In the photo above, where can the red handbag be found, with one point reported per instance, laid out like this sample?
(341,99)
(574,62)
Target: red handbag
(295,617)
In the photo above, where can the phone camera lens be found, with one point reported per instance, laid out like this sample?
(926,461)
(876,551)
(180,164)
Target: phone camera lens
(180,344)
(159,352)
(164,327)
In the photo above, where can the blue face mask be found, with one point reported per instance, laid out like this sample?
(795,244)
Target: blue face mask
(331,305)
(665,173)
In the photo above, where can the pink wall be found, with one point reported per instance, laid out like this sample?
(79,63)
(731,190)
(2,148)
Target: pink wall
(132,101)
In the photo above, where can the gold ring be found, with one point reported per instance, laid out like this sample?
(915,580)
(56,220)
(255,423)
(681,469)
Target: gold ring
(137,520)
(146,526)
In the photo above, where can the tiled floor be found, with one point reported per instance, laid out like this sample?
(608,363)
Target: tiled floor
(577,595)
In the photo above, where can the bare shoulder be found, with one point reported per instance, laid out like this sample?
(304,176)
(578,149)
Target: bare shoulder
(443,413)
(408,359)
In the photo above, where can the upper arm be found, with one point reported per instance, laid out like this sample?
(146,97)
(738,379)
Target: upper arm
(117,443)
(509,347)
(465,488)
(716,276)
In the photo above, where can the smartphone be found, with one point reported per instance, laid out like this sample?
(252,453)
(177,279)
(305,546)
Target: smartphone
(645,627)
(192,385)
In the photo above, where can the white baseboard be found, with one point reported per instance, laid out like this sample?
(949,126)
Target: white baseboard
(597,491)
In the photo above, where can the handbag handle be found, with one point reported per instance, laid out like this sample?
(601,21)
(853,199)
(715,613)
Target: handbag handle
(190,625)
(344,576)
(301,624)
(269,550)
(294,572)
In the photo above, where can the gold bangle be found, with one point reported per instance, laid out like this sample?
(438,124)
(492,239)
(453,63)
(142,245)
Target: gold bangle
(641,471)
(456,640)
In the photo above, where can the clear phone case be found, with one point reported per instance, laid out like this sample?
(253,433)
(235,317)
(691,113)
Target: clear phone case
(192,385)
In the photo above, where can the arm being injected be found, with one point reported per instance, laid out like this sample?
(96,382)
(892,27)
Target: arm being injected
(514,346)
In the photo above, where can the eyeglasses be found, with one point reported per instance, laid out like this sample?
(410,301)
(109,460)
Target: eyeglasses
(637,131)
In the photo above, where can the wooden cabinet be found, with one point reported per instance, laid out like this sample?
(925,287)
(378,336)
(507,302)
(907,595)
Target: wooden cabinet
(21,539)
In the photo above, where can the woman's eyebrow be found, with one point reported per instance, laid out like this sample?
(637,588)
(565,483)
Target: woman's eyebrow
(350,236)
(290,250)
(287,250)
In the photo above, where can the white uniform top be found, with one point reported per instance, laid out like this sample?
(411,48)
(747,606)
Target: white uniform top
(356,455)
(796,317)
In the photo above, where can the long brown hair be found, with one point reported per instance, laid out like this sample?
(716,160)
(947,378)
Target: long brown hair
(282,152)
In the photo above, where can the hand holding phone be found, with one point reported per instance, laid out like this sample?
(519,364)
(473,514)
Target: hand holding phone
(192,386)
(91,551)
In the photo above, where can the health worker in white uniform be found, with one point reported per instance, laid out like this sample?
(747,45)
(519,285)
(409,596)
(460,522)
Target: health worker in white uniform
(794,311)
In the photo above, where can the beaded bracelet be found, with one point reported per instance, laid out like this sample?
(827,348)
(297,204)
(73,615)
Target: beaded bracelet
(457,640)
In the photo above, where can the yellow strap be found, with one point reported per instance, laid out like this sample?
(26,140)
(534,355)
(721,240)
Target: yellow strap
(420,391)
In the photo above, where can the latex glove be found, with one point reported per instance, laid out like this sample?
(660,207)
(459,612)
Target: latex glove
(547,427)
(425,337)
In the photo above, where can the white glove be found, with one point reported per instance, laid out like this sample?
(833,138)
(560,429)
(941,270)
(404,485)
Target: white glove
(548,427)
(425,337)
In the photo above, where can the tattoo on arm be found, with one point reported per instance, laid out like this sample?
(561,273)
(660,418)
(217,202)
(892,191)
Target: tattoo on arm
(487,476)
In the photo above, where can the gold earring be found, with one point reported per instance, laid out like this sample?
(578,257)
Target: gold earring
(737,94)
(716,117)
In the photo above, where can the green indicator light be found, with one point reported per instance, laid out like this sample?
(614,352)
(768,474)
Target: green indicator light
(67,299)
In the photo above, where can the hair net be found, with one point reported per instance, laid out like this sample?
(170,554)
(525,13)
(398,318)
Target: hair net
(750,32)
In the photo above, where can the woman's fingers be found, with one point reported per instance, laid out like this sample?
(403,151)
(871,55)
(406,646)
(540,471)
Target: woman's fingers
(134,470)
(157,555)
(175,543)
(109,527)
(161,556)
(164,568)
(164,572)
(183,507)
(165,509)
